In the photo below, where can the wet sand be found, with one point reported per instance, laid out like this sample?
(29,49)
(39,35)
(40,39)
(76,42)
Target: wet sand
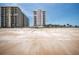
(44,41)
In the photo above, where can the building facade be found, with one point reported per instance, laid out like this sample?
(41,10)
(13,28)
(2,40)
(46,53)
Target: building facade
(39,18)
(12,17)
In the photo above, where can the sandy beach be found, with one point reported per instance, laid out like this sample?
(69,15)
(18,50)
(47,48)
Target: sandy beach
(39,41)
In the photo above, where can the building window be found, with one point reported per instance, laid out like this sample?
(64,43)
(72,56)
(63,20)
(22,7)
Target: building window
(15,20)
(35,12)
(6,10)
(15,10)
(12,21)
(6,21)
(2,11)
(12,10)
(43,17)
(35,20)
(2,21)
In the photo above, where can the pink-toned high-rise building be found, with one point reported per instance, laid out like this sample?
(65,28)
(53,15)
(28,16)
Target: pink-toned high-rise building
(39,18)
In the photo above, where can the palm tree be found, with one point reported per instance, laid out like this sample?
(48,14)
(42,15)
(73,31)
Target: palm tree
(70,26)
(76,26)
(64,25)
(67,25)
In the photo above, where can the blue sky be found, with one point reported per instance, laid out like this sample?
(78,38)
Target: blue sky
(56,13)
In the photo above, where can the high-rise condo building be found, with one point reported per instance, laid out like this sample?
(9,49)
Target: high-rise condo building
(39,18)
(12,17)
